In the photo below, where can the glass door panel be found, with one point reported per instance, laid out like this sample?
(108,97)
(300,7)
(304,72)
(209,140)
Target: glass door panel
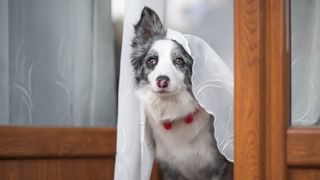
(305,62)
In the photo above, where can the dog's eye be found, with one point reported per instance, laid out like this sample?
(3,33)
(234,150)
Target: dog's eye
(179,61)
(151,61)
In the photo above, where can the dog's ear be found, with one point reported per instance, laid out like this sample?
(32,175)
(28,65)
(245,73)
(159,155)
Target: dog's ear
(147,30)
(149,25)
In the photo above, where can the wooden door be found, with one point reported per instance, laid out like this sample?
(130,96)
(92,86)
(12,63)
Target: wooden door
(58,153)
(43,153)
(266,147)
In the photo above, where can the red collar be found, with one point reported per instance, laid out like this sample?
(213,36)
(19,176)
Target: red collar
(188,119)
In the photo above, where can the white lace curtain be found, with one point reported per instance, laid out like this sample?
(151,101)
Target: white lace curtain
(305,62)
(57,63)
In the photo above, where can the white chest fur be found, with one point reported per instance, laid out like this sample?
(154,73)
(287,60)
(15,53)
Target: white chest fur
(186,147)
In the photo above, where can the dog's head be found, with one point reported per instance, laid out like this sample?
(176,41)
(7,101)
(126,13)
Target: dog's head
(160,64)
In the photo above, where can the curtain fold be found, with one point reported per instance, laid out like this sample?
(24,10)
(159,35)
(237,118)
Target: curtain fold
(130,132)
(60,67)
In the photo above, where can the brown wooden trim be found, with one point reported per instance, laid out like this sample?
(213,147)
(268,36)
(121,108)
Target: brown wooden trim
(55,142)
(262,88)
(277,64)
(303,146)
(57,169)
(304,174)
(156,172)
(249,89)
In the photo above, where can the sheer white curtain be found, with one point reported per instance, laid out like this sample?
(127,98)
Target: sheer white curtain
(134,152)
(211,20)
(305,65)
(57,62)
(130,155)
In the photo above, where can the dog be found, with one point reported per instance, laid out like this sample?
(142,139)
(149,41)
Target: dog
(182,131)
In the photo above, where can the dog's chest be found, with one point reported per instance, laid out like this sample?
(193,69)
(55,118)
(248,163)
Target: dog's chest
(187,147)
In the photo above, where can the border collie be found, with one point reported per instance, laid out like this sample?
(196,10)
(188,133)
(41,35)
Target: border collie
(182,131)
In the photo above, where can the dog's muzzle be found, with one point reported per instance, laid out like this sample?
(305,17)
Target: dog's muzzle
(162,81)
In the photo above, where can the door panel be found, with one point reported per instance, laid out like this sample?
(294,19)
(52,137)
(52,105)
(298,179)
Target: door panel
(305,64)
(43,153)
(52,153)
(249,115)
(303,147)
(304,174)
(261,111)
(38,142)
(57,169)
(266,147)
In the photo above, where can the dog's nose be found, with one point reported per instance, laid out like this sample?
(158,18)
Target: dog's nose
(162,81)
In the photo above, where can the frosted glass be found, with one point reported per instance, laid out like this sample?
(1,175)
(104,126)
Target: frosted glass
(305,62)
(57,63)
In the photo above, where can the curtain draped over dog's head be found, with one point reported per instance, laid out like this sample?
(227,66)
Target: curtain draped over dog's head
(212,83)
(212,86)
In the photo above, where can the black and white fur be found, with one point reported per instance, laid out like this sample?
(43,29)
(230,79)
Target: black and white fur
(162,70)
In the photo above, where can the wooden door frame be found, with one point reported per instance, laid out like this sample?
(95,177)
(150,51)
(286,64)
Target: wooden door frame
(266,147)
(56,142)
(47,153)
(262,88)
(91,147)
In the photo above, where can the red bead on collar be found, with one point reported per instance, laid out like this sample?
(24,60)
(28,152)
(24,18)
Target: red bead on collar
(188,119)
(167,125)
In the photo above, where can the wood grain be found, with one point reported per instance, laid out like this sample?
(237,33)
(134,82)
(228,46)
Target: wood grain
(56,153)
(304,174)
(303,147)
(262,88)
(35,142)
(277,70)
(264,149)
(249,90)
(43,153)
(57,169)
